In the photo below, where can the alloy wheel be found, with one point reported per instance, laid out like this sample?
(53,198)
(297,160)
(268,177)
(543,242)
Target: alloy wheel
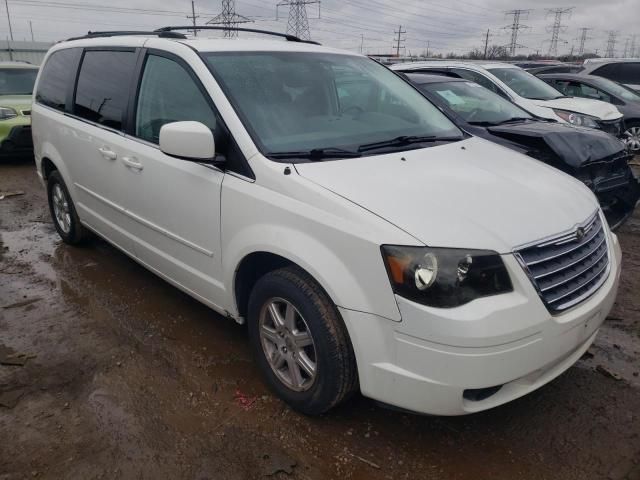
(632,139)
(287,344)
(61,208)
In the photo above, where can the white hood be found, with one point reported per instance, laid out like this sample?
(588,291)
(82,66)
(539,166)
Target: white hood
(595,108)
(468,194)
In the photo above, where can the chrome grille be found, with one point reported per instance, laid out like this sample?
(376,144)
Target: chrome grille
(569,268)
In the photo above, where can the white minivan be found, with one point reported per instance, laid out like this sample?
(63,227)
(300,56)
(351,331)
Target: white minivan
(313,194)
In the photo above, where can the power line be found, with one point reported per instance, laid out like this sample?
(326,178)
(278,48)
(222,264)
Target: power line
(610,50)
(298,22)
(515,28)
(556,28)
(399,40)
(229,19)
(583,39)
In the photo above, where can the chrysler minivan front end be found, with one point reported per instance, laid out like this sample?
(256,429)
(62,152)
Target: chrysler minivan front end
(496,348)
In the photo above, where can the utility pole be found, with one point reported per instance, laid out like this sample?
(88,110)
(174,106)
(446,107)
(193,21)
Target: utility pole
(515,28)
(361,42)
(31,29)
(193,17)
(610,51)
(298,23)
(634,54)
(6,3)
(556,28)
(486,44)
(229,19)
(399,40)
(583,39)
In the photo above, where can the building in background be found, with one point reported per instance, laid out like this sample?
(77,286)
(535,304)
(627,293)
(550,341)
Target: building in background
(32,52)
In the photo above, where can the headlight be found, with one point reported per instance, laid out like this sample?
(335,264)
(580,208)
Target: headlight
(445,277)
(577,119)
(7,113)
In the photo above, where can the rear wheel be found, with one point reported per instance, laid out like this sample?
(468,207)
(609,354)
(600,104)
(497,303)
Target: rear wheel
(63,212)
(300,341)
(632,137)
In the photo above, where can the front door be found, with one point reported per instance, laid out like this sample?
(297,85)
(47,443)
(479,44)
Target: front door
(174,204)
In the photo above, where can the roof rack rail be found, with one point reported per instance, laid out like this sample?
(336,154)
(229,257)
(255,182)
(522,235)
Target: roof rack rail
(290,38)
(121,33)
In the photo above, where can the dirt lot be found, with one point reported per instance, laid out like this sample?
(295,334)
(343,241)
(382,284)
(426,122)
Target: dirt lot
(119,375)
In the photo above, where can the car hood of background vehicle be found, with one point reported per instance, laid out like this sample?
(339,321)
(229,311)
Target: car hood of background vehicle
(574,146)
(467,194)
(586,106)
(16,101)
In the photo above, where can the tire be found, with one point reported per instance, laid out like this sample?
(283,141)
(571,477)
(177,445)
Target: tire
(63,211)
(335,375)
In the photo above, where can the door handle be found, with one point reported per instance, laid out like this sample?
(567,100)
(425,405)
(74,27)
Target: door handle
(132,163)
(107,153)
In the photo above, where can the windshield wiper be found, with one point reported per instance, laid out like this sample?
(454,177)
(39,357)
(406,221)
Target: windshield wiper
(315,154)
(503,122)
(405,140)
(513,120)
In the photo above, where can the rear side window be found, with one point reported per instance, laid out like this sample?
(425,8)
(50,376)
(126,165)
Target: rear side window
(627,72)
(630,73)
(169,94)
(102,92)
(56,77)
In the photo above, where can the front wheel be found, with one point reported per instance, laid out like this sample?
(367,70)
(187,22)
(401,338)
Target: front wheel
(300,341)
(632,137)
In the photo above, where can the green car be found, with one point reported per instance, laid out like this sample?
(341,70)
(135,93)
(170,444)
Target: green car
(16,86)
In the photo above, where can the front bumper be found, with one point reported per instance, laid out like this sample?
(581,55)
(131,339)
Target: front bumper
(16,140)
(448,361)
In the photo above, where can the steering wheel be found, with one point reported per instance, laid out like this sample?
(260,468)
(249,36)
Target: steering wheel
(354,109)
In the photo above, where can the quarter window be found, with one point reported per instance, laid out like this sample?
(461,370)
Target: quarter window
(168,94)
(103,86)
(56,77)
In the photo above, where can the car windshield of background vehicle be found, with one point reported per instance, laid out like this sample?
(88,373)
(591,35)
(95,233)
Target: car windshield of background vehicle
(525,84)
(474,103)
(17,81)
(617,89)
(303,102)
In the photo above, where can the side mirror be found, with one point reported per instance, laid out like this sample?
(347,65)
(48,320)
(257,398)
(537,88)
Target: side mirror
(188,141)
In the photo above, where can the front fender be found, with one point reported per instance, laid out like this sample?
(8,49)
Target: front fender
(322,263)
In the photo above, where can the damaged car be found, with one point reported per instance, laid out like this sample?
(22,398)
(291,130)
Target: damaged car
(594,157)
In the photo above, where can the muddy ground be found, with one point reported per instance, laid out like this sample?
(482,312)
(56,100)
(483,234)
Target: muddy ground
(120,375)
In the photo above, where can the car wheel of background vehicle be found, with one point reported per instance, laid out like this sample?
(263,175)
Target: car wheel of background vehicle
(632,137)
(63,212)
(300,341)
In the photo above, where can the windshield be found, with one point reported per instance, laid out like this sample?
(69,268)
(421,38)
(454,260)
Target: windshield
(302,102)
(17,81)
(616,89)
(474,103)
(525,84)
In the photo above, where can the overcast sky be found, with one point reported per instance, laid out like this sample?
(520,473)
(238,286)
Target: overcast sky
(443,25)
